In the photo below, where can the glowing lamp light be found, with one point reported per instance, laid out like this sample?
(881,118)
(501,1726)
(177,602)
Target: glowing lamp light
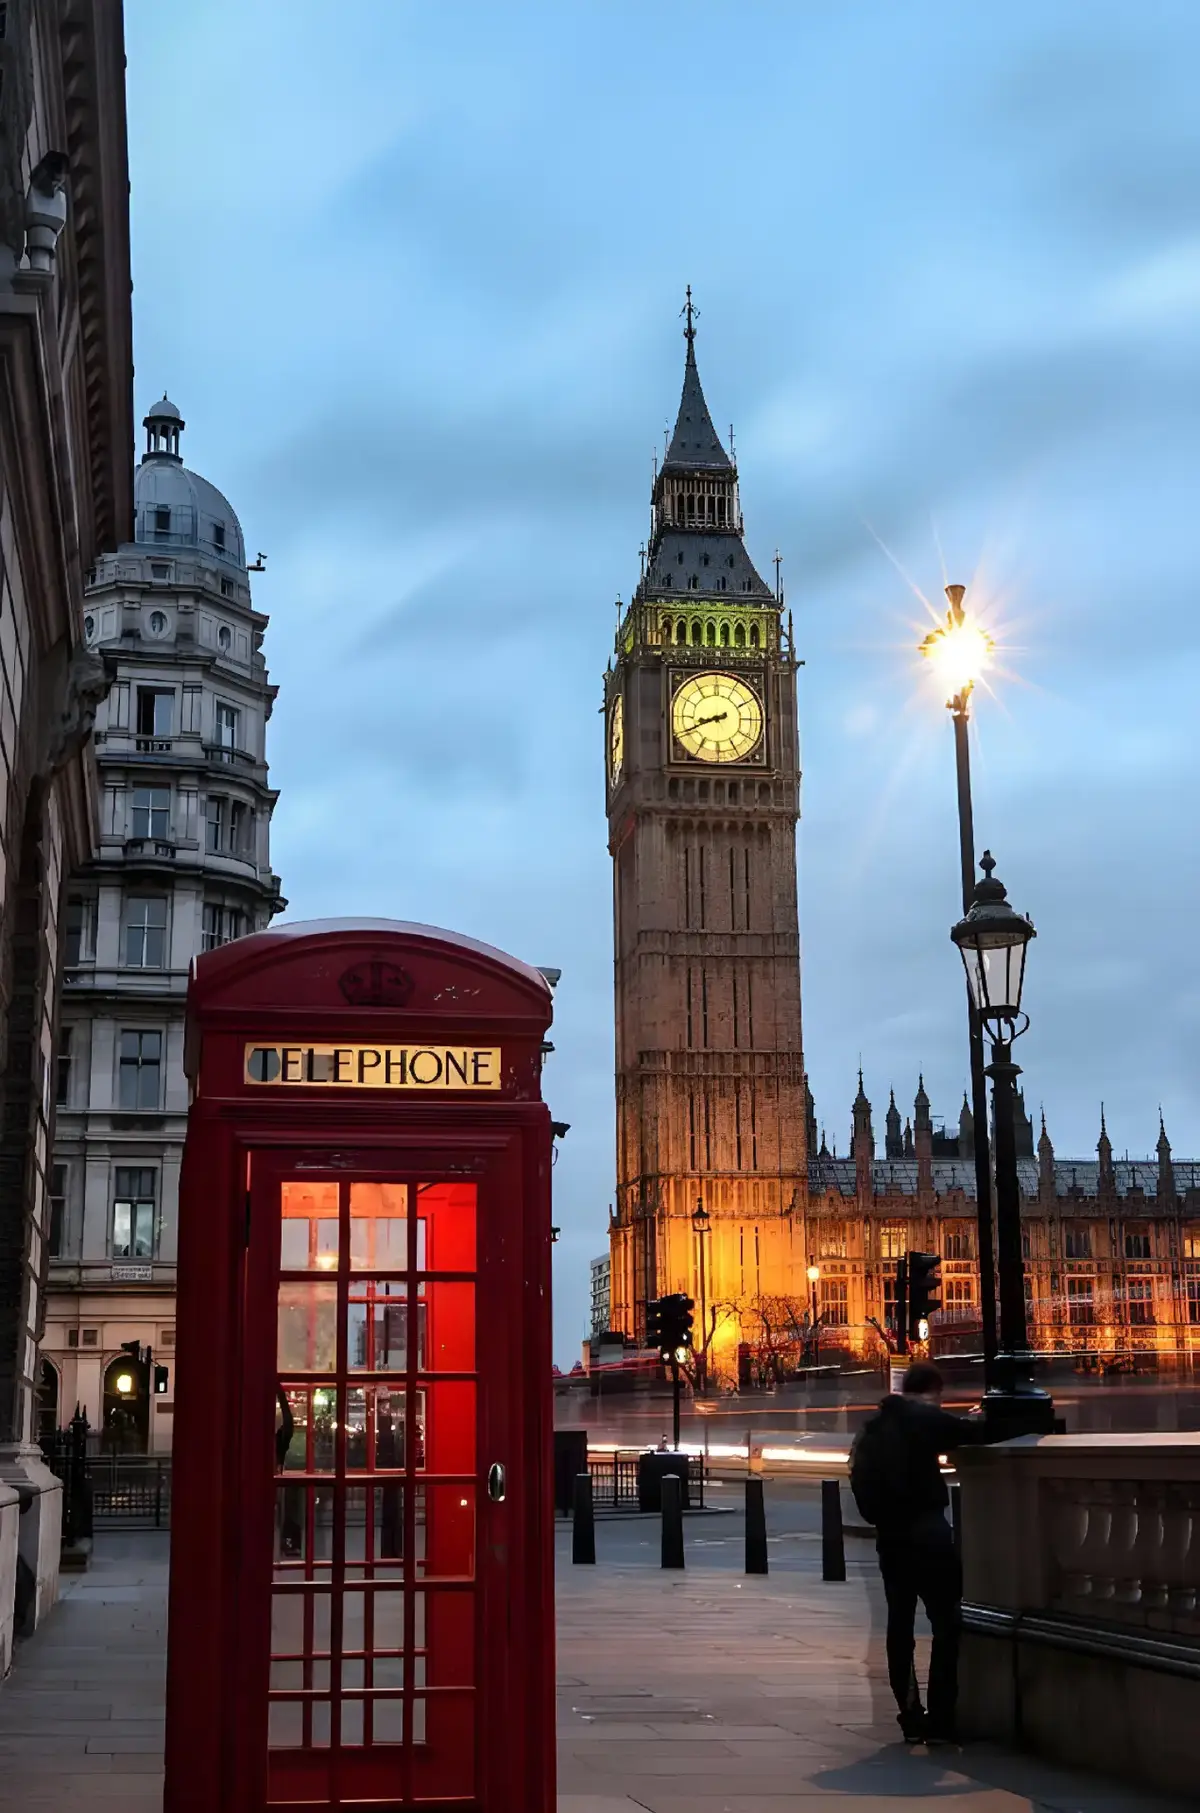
(923,1329)
(959,650)
(814,1272)
(681,1354)
(124,1383)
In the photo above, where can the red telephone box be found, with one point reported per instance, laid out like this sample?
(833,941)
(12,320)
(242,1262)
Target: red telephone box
(362,1605)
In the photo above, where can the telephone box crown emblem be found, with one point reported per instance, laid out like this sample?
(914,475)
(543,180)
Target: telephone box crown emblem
(376,984)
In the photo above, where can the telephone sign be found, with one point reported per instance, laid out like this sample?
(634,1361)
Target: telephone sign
(361,1590)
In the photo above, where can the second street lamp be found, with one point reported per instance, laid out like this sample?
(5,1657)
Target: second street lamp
(993,940)
(814,1274)
(701,1222)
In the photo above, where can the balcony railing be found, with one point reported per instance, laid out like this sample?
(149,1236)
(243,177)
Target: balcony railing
(230,757)
(150,849)
(145,745)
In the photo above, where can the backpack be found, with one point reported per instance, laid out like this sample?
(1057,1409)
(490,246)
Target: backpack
(879,1469)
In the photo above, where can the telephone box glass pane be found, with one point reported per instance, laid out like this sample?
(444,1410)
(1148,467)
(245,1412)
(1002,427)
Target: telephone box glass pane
(307,1327)
(308,1232)
(379,1227)
(373,1596)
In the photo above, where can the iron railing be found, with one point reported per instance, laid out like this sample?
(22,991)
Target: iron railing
(615,1479)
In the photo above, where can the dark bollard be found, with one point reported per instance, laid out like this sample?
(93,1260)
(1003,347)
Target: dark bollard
(672,1521)
(756,1528)
(833,1540)
(956,1517)
(583,1522)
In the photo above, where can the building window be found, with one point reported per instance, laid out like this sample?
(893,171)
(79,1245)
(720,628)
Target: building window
(140,1069)
(155,711)
(62,1091)
(219,534)
(162,519)
(1026,1244)
(958,1292)
(958,1243)
(1081,1306)
(831,1240)
(160,571)
(239,827)
(1137,1246)
(79,932)
(834,1308)
(1139,1294)
(1078,1243)
(151,812)
(226,592)
(58,1203)
(1191,1241)
(214,817)
(893,1240)
(221,925)
(228,725)
(133,1231)
(1193,1296)
(146,931)
(158,623)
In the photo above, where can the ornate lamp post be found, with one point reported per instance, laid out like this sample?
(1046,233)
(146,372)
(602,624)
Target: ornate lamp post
(960,652)
(814,1275)
(993,941)
(703,1226)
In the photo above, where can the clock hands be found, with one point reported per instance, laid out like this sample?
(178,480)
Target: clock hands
(717,718)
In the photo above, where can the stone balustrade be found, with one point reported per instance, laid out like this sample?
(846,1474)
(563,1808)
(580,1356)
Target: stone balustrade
(1081,1559)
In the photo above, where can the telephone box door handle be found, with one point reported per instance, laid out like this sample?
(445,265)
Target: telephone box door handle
(496,1483)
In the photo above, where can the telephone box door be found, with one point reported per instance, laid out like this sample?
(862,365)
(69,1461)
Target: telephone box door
(377,1483)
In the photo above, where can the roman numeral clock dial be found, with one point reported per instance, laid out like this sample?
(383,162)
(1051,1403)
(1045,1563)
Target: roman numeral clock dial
(616,739)
(717,718)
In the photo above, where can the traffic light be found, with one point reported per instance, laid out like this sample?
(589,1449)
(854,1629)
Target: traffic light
(161,1376)
(134,1350)
(654,1322)
(676,1314)
(924,1292)
(901,1323)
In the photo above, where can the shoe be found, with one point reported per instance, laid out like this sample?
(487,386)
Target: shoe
(941,1734)
(912,1726)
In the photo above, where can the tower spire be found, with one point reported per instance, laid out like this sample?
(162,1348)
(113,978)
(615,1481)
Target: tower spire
(691,312)
(695,444)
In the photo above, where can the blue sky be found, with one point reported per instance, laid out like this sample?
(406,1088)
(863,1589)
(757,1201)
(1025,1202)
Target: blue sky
(412,272)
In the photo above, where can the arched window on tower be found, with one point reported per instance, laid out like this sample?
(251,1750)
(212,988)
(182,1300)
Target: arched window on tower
(739,635)
(681,631)
(666,629)
(693,584)
(709,636)
(695,635)
(754,635)
(724,635)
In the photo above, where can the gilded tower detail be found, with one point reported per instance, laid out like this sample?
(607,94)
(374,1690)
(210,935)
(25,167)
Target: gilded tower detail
(703,799)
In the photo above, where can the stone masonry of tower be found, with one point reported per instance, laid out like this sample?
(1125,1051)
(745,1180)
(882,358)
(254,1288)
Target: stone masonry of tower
(703,799)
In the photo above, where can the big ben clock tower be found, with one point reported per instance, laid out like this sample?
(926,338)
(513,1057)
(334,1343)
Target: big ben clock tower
(703,799)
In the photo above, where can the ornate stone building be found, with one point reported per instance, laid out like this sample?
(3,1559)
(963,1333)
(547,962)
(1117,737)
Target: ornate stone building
(713,1109)
(66,482)
(182,865)
(1112,1245)
(703,799)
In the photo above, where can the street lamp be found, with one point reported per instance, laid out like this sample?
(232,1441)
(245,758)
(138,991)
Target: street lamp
(814,1274)
(993,941)
(703,1227)
(959,652)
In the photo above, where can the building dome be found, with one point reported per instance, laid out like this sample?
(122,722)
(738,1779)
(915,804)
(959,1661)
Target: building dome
(176,509)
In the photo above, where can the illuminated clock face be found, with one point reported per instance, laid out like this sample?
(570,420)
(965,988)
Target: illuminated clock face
(616,739)
(717,718)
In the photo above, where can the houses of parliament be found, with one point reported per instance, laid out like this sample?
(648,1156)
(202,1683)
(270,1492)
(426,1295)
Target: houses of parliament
(722,1191)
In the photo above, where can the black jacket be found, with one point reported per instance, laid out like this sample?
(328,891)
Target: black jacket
(925,1431)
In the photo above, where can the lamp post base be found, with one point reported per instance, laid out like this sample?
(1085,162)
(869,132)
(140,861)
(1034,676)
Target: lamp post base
(1023,1410)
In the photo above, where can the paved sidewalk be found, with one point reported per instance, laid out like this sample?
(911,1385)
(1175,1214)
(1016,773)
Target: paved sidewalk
(701,1692)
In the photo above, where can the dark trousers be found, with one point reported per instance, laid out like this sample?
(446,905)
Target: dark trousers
(922,1564)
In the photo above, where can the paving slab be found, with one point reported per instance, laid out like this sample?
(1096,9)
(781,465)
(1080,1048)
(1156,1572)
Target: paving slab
(700,1693)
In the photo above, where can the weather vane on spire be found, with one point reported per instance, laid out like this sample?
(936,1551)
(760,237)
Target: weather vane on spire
(692,312)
